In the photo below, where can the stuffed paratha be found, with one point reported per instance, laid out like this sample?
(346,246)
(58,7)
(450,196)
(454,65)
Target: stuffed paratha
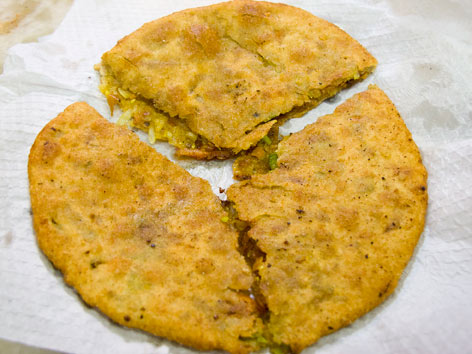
(334,225)
(327,233)
(213,80)
(137,236)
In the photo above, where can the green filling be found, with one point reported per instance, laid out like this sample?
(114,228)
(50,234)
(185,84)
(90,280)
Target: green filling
(273,161)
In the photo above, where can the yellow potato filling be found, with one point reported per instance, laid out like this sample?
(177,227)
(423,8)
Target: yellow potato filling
(137,113)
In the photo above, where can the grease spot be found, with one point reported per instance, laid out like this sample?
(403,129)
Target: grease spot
(69,64)
(7,239)
(435,117)
(425,71)
(430,73)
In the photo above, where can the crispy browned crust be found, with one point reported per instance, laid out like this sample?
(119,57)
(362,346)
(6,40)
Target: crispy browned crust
(227,68)
(327,233)
(137,236)
(203,154)
(337,221)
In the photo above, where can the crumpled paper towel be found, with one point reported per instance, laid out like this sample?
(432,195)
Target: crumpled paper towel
(424,49)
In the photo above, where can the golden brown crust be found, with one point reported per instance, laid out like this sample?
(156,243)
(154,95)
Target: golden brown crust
(137,236)
(202,154)
(327,233)
(227,68)
(337,221)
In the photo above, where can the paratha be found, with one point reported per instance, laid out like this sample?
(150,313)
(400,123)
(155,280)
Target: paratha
(137,236)
(334,224)
(323,238)
(213,80)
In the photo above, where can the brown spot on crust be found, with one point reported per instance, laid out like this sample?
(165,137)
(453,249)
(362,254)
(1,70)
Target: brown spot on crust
(50,150)
(253,9)
(301,55)
(105,167)
(205,266)
(204,154)
(347,218)
(207,37)
(161,34)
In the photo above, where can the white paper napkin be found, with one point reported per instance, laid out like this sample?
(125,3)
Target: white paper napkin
(424,49)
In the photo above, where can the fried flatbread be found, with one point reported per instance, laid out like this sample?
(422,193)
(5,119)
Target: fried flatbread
(216,77)
(336,222)
(137,236)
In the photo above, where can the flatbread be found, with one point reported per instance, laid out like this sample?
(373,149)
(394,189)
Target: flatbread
(214,78)
(323,238)
(334,225)
(137,236)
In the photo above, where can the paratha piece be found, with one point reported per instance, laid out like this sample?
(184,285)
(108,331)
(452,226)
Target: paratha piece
(137,236)
(259,159)
(335,224)
(213,80)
